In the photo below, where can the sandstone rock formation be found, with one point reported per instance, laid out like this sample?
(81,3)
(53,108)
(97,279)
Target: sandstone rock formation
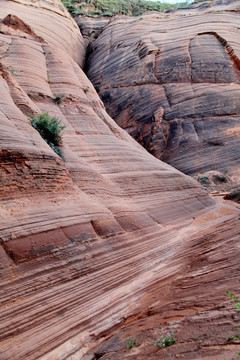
(91,28)
(50,20)
(88,242)
(172,81)
(190,303)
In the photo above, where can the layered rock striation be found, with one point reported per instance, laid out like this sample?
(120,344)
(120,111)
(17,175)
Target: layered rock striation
(172,82)
(85,239)
(71,230)
(50,21)
(190,303)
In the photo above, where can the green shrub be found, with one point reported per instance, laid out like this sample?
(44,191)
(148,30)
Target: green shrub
(234,196)
(108,14)
(220,178)
(166,340)
(58,98)
(86,89)
(236,303)
(204,179)
(131,342)
(69,6)
(12,70)
(49,128)
(95,12)
(236,300)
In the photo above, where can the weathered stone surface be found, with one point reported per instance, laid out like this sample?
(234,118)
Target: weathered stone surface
(50,20)
(172,82)
(87,242)
(192,303)
(91,28)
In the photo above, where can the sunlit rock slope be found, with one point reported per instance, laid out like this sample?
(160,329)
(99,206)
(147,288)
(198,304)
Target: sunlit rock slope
(172,81)
(50,21)
(85,241)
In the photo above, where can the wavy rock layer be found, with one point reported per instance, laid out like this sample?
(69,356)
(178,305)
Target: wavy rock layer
(50,20)
(172,82)
(86,242)
(80,237)
(191,302)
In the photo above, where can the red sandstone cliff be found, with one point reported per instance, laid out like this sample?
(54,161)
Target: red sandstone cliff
(109,234)
(172,81)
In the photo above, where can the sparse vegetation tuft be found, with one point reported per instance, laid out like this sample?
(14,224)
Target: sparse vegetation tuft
(234,195)
(204,179)
(58,98)
(236,300)
(50,130)
(220,178)
(198,336)
(12,70)
(236,303)
(131,342)
(166,340)
(86,89)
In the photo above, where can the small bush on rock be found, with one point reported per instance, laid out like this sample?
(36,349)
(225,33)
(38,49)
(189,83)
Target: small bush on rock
(165,340)
(86,89)
(58,98)
(220,178)
(12,70)
(49,128)
(204,179)
(236,299)
(234,196)
(131,342)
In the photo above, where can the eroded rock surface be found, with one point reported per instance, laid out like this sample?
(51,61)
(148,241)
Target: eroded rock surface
(50,21)
(172,82)
(191,304)
(91,28)
(87,242)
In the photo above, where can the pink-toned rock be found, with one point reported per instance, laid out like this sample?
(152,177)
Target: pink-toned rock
(172,81)
(88,241)
(50,20)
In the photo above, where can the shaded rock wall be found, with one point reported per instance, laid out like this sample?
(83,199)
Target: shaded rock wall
(172,82)
(91,28)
